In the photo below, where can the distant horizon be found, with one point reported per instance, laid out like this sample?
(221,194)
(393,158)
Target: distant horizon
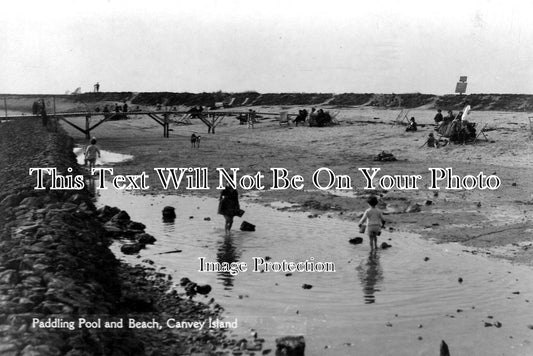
(250,91)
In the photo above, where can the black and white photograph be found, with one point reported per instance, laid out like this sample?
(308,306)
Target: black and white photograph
(288,178)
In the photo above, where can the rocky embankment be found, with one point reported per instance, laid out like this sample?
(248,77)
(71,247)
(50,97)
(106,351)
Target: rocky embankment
(56,266)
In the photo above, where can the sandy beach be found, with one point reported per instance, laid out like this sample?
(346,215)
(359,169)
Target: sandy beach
(497,221)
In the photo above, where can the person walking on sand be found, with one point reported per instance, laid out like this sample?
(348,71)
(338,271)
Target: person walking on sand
(228,206)
(91,152)
(374,221)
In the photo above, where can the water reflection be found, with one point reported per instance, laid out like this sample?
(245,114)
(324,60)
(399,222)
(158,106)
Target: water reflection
(91,186)
(371,275)
(227,252)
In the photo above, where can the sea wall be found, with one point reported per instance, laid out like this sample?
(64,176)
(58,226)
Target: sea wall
(56,265)
(499,102)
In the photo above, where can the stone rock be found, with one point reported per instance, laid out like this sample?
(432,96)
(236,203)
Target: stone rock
(203,289)
(429,202)
(413,208)
(40,350)
(184,281)
(107,212)
(134,225)
(122,218)
(9,276)
(12,263)
(306,286)
(246,226)
(145,238)
(290,346)
(137,302)
(131,248)
(32,202)
(8,350)
(112,230)
(169,213)
(356,240)
(385,245)
(11,200)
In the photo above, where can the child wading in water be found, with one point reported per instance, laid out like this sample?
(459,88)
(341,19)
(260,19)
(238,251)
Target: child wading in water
(229,206)
(374,221)
(90,154)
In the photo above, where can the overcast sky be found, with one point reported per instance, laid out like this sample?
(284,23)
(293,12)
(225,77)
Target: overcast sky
(268,46)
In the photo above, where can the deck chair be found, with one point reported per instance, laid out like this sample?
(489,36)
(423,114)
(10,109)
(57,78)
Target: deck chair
(334,119)
(284,118)
(183,119)
(482,132)
(402,116)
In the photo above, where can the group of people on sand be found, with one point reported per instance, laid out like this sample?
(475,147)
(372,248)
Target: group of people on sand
(454,127)
(316,118)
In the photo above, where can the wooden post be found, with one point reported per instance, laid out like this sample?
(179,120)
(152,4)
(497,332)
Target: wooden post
(87,130)
(165,125)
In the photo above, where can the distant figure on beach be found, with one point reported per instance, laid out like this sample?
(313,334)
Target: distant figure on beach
(195,112)
(97,109)
(374,221)
(125,107)
(438,118)
(312,117)
(91,152)
(432,141)
(228,206)
(159,106)
(42,112)
(450,117)
(97,87)
(195,140)
(251,119)
(302,115)
(36,108)
(117,108)
(412,127)
(322,118)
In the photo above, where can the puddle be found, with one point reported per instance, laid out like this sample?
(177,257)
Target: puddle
(105,159)
(373,304)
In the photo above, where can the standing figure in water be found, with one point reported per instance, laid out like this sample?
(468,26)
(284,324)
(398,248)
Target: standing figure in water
(228,206)
(91,152)
(374,221)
